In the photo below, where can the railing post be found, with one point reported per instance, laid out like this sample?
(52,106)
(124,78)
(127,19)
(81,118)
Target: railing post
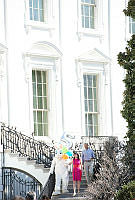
(1,165)
(1,146)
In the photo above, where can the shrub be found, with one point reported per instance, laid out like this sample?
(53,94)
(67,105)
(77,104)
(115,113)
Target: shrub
(112,175)
(127,192)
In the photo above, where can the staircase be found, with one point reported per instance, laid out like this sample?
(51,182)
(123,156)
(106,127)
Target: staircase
(25,154)
(32,157)
(69,195)
(14,161)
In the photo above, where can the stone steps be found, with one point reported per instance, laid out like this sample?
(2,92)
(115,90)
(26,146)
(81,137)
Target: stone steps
(30,167)
(69,195)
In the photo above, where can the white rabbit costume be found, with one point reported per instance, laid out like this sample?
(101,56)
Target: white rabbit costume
(60,166)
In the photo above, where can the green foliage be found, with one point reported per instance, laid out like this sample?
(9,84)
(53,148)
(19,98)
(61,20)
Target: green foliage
(130,11)
(127,192)
(127,61)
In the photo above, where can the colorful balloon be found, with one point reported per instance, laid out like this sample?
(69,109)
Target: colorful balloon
(64,156)
(64,150)
(69,153)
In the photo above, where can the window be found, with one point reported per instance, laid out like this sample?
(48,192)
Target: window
(36,10)
(40,98)
(132,25)
(90,103)
(88,13)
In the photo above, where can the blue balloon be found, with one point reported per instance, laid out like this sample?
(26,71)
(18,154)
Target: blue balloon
(69,153)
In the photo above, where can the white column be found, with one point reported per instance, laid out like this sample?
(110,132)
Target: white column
(108,114)
(2,74)
(80,85)
(58,99)
(27,69)
(1,149)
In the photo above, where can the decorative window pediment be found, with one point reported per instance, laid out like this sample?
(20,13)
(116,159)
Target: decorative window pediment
(43,55)
(93,61)
(94,56)
(44,49)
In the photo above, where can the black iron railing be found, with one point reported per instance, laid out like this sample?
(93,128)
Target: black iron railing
(18,183)
(97,143)
(26,146)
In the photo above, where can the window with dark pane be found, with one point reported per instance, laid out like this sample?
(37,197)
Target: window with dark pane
(36,10)
(88,13)
(131,25)
(40,108)
(90,104)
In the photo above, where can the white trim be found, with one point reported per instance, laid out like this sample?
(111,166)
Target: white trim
(30,64)
(92,56)
(3,52)
(95,56)
(45,56)
(102,71)
(3,48)
(3,83)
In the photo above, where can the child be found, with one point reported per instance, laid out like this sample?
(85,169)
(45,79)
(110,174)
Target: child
(77,172)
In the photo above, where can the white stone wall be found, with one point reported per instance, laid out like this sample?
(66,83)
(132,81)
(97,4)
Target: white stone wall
(67,51)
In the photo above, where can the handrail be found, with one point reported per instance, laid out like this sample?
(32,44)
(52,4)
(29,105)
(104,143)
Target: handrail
(26,146)
(97,143)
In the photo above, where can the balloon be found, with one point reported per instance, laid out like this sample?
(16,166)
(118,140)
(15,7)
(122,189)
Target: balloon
(64,156)
(66,139)
(69,153)
(64,150)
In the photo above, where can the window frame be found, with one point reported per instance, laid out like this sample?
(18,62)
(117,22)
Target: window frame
(42,110)
(48,24)
(97,99)
(38,8)
(98,30)
(45,56)
(93,68)
(131,24)
(33,62)
(89,5)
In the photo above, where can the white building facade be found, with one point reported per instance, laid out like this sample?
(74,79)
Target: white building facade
(58,66)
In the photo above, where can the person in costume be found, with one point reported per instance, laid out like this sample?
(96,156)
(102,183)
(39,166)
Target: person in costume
(59,165)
